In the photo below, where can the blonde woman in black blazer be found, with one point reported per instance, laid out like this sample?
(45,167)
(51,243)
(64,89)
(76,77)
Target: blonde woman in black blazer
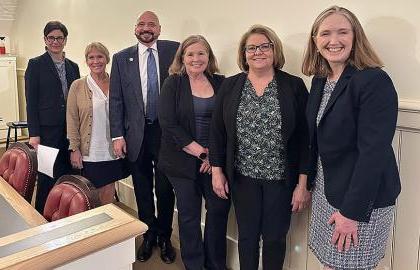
(352,114)
(185,107)
(258,147)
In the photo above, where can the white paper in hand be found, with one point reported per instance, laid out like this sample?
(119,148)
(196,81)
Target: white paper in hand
(46,158)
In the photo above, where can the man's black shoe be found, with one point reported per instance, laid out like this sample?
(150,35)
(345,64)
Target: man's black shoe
(167,251)
(146,249)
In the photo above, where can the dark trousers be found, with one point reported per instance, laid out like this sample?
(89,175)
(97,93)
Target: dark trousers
(54,137)
(142,171)
(195,253)
(262,208)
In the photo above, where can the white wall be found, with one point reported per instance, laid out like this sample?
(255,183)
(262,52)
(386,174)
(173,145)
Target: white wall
(392,26)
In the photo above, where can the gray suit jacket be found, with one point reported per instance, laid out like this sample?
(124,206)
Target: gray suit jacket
(126,108)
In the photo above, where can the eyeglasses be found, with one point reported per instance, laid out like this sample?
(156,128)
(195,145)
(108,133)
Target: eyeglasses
(59,39)
(264,47)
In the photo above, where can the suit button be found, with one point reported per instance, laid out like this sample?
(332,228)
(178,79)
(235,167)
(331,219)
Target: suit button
(62,106)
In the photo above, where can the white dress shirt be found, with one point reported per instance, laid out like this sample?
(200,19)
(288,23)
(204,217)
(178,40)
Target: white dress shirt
(100,148)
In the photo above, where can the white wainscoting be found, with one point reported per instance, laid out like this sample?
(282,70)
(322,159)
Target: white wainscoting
(403,251)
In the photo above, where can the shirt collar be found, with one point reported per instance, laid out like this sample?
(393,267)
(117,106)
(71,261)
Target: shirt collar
(143,48)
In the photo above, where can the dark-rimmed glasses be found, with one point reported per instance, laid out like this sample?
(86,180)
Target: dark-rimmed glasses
(59,39)
(264,47)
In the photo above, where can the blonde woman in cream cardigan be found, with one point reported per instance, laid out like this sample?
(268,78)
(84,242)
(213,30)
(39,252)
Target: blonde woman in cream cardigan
(88,125)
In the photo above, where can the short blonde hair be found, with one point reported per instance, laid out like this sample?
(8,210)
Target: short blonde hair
(278,55)
(178,67)
(99,47)
(362,55)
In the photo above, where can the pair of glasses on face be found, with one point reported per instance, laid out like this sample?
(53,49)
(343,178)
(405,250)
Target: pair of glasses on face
(59,39)
(264,47)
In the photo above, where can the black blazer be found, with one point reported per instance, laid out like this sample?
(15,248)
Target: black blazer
(292,95)
(126,107)
(177,120)
(45,101)
(354,139)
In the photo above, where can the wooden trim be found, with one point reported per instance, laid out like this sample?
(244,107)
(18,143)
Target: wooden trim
(73,246)
(410,105)
(28,213)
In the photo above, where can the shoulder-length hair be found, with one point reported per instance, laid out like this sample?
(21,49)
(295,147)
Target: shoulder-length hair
(362,55)
(178,67)
(278,55)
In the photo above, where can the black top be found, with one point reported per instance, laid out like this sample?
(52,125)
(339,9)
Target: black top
(292,96)
(203,109)
(353,140)
(177,121)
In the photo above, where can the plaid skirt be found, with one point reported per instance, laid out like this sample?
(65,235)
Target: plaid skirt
(373,236)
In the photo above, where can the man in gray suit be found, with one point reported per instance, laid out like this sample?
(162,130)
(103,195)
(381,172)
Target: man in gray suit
(136,76)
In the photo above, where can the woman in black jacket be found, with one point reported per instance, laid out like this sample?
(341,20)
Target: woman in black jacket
(258,147)
(352,114)
(186,104)
(47,81)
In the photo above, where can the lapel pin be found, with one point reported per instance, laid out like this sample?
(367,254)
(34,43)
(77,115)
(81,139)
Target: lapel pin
(130,59)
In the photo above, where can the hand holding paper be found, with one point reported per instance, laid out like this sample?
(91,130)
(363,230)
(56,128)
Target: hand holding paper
(46,158)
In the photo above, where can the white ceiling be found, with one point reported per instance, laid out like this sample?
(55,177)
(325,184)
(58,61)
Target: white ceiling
(8,9)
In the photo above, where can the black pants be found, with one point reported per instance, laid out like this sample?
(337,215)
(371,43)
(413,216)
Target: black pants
(142,171)
(195,254)
(262,208)
(53,136)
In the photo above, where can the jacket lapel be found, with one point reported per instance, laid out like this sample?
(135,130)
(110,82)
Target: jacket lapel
(51,65)
(163,66)
(235,100)
(133,67)
(285,97)
(314,101)
(70,72)
(339,88)
(187,98)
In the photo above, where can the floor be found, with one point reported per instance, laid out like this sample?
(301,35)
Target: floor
(154,263)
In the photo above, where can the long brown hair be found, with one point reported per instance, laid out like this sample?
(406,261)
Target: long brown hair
(362,55)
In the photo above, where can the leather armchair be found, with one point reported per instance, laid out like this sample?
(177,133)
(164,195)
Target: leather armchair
(72,194)
(19,166)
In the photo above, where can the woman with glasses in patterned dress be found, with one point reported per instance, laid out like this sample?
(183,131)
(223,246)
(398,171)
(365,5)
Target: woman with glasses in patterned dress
(47,81)
(258,147)
(352,114)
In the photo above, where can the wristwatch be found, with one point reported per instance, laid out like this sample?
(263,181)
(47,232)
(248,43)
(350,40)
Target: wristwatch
(202,156)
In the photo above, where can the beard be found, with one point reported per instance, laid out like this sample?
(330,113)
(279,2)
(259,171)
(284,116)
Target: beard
(146,36)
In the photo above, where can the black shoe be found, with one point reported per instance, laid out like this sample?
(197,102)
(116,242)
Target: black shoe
(167,251)
(146,249)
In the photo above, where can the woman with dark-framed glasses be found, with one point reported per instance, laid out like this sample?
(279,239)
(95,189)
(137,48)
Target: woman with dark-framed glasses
(47,81)
(258,147)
